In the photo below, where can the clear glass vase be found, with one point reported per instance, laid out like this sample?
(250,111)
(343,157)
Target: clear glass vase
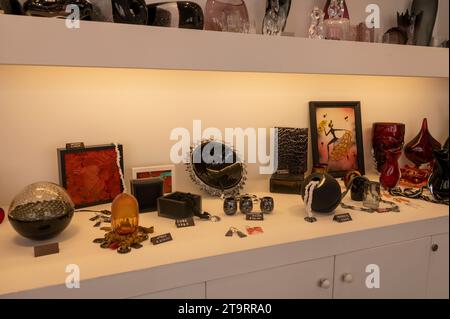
(227,16)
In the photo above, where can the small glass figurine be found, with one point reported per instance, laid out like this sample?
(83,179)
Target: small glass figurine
(275,19)
(316,30)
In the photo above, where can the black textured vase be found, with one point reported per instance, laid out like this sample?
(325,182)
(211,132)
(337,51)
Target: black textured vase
(326,196)
(130,11)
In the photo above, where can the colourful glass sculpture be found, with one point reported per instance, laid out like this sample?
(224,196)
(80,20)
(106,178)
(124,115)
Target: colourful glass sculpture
(337,20)
(226,15)
(390,174)
(125,214)
(386,136)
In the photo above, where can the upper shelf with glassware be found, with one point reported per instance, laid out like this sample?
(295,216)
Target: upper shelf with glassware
(174,45)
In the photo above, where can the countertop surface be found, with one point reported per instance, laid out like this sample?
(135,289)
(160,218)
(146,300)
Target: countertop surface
(20,270)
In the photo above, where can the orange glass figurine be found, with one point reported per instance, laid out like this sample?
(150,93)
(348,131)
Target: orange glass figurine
(125,214)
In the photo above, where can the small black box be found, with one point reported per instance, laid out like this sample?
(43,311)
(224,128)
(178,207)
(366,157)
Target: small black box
(179,205)
(286,184)
(147,191)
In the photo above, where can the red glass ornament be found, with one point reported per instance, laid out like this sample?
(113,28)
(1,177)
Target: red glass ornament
(390,174)
(386,136)
(2,215)
(420,149)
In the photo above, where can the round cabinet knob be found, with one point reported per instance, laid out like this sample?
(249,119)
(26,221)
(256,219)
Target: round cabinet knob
(435,247)
(348,278)
(324,283)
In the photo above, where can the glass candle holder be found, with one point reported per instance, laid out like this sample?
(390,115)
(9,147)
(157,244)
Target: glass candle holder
(230,206)
(267,205)
(372,195)
(246,204)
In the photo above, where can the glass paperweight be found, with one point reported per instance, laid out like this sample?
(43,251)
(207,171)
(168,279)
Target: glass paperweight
(227,16)
(124,214)
(41,211)
(372,195)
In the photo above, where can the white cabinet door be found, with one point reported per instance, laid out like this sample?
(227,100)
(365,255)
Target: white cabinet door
(312,279)
(439,268)
(401,269)
(196,291)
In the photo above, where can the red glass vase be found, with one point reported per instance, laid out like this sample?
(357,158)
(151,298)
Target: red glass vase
(386,136)
(390,174)
(420,149)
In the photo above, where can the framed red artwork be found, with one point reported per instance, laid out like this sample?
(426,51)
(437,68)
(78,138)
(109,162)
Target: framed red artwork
(92,175)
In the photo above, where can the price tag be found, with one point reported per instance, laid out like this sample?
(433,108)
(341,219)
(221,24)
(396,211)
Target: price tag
(342,218)
(161,239)
(255,217)
(185,222)
(44,250)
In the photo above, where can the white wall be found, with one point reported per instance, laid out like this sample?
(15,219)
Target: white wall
(42,108)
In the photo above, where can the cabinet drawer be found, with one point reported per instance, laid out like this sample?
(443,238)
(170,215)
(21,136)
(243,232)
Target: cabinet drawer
(196,291)
(287,282)
(402,271)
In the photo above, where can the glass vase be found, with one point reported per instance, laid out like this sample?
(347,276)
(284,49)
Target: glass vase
(390,174)
(438,184)
(386,136)
(227,16)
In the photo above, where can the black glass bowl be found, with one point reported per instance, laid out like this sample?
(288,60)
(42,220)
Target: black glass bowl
(41,211)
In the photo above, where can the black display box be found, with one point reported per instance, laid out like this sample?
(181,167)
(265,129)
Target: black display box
(179,205)
(147,191)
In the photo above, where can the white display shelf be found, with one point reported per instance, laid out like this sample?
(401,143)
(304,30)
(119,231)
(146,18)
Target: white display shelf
(201,253)
(43,41)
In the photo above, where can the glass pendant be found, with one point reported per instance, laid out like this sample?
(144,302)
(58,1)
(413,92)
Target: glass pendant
(227,16)
(124,214)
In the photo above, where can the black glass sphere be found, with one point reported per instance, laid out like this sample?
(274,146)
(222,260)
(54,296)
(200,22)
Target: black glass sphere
(41,211)
(326,196)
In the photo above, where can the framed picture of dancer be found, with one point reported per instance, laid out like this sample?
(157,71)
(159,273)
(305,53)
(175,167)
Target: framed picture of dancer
(336,136)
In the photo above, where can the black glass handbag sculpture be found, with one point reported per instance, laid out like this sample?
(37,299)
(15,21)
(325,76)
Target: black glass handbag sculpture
(11,7)
(216,168)
(57,8)
(292,150)
(130,11)
(176,14)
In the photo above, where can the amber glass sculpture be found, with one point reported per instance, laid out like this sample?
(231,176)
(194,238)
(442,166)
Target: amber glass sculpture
(125,214)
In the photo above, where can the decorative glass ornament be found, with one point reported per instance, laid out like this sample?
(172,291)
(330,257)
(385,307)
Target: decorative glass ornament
(130,11)
(276,16)
(438,184)
(227,16)
(316,29)
(41,211)
(420,149)
(125,214)
(337,20)
(390,174)
(326,197)
(386,136)
(57,8)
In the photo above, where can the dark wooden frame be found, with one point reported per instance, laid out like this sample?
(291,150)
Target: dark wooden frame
(62,167)
(313,106)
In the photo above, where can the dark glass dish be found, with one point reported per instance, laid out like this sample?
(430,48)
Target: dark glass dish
(130,11)
(177,14)
(57,8)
